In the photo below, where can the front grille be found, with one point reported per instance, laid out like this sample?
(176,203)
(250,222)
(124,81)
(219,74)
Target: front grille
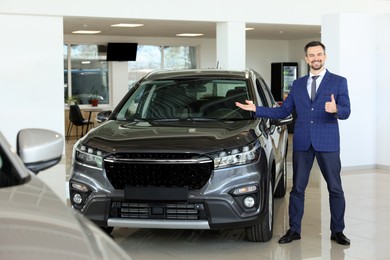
(158,170)
(174,211)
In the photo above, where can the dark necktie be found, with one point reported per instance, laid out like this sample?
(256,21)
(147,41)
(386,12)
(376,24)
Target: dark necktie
(313,88)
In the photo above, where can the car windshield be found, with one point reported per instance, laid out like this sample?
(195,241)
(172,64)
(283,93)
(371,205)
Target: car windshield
(187,99)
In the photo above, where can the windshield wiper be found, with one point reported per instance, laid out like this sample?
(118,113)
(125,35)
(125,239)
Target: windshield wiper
(164,119)
(190,119)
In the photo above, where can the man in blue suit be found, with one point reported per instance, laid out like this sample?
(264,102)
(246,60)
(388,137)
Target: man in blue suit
(316,135)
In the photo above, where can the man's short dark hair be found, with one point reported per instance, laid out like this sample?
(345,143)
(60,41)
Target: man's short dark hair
(314,44)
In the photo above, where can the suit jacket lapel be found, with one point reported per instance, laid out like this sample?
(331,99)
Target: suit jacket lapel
(324,82)
(305,94)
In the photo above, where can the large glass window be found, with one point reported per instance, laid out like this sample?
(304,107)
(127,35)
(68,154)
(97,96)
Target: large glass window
(148,58)
(86,69)
(88,77)
(179,57)
(161,57)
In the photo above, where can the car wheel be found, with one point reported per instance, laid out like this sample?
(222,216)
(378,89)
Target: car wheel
(107,230)
(282,185)
(263,231)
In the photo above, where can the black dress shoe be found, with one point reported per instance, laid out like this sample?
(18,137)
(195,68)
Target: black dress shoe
(340,238)
(289,237)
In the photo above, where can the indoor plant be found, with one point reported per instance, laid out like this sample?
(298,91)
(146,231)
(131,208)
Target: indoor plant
(94,99)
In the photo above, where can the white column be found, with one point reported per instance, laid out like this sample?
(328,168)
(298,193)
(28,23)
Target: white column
(382,57)
(119,81)
(231,45)
(32,74)
(350,41)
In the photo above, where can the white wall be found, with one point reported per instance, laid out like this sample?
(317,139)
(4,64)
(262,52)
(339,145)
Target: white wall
(353,56)
(261,53)
(382,102)
(31,81)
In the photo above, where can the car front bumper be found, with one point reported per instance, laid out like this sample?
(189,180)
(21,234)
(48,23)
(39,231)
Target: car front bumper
(215,206)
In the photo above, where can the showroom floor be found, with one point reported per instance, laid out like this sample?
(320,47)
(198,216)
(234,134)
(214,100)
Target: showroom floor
(367,225)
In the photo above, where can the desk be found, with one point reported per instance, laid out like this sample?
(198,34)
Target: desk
(90,110)
(87,111)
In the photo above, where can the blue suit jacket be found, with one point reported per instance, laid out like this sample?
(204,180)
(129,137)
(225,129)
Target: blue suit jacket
(313,125)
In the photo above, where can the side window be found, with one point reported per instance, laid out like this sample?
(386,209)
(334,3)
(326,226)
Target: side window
(268,93)
(265,94)
(8,174)
(260,90)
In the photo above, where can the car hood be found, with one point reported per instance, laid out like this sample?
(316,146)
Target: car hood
(170,136)
(36,224)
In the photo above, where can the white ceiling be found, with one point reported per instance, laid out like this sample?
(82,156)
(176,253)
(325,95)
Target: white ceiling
(165,28)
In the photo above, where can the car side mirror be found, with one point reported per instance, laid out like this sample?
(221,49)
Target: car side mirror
(284,121)
(39,149)
(103,116)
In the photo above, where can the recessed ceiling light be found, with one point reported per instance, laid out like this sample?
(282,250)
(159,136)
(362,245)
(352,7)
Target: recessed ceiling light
(86,32)
(189,34)
(132,25)
(249,29)
(86,62)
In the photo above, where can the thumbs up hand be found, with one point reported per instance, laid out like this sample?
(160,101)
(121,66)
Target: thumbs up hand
(331,106)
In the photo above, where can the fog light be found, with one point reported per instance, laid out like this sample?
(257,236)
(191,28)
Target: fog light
(249,202)
(79,186)
(244,190)
(77,198)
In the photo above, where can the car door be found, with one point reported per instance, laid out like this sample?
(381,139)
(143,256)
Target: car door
(277,133)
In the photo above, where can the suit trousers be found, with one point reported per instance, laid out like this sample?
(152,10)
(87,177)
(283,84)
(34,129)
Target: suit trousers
(330,166)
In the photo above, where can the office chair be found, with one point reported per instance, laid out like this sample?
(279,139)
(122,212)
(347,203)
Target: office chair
(77,119)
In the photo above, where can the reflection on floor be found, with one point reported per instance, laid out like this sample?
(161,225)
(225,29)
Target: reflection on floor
(367,219)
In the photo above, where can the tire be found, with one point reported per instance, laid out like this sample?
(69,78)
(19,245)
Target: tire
(280,191)
(263,231)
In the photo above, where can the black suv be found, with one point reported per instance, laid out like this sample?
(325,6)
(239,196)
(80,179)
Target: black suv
(177,153)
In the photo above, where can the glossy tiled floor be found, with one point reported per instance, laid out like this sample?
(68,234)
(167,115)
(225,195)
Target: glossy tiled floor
(367,219)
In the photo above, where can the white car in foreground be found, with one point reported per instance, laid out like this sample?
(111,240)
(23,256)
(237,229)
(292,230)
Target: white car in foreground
(34,222)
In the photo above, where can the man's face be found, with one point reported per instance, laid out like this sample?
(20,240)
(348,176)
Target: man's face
(315,57)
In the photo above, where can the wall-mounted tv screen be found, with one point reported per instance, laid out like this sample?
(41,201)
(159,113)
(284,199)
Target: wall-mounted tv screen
(121,51)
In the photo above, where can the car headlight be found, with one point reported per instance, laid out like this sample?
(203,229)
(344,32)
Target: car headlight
(237,156)
(90,156)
